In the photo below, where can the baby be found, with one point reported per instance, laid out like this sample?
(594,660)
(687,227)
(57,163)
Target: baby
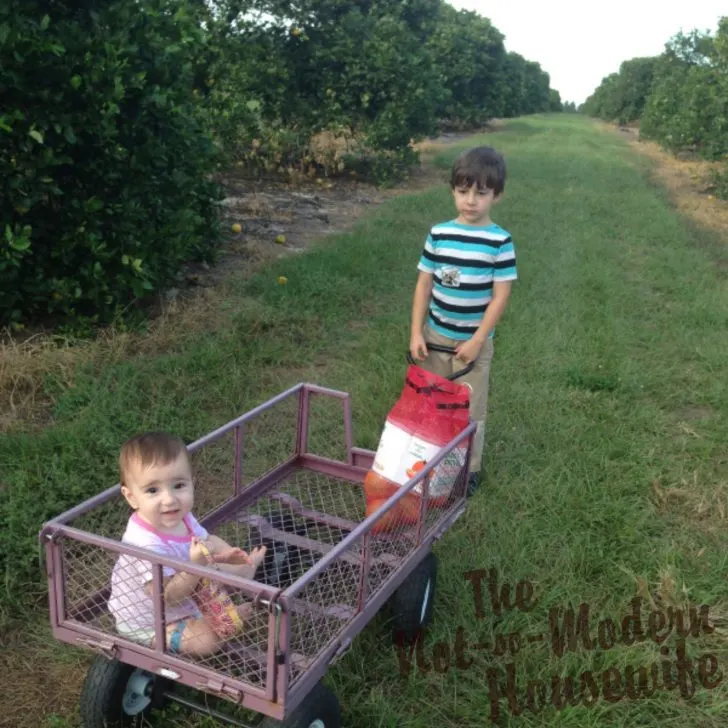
(156,480)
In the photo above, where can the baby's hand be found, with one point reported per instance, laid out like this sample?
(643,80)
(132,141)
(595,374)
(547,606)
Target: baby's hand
(241,563)
(238,556)
(197,552)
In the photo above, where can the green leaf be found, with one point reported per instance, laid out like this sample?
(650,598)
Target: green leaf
(93,204)
(20,244)
(45,22)
(37,136)
(76,81)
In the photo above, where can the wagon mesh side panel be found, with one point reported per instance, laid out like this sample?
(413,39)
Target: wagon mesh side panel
(213,470)
(322,608)
(287,507)
(326,427)
(244,656)
(269,439)
(326,604)
(108,519)
(87,570)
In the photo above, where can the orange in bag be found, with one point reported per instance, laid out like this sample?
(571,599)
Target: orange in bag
(430,412)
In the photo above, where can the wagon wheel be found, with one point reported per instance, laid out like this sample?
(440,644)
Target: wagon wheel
(117,695)
(319,709)
(411,605)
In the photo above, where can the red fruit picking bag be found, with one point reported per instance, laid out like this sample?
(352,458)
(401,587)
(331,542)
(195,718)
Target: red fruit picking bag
(430,412)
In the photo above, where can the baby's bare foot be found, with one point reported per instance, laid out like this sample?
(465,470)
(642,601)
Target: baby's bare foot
(245,610)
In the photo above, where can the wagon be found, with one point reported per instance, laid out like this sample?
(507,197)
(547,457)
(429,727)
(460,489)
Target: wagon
(287,475)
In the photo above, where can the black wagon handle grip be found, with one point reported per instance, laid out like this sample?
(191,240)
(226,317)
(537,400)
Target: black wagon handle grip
(444,350)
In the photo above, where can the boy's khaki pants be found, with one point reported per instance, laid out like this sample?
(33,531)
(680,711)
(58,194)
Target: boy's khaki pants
(477,379)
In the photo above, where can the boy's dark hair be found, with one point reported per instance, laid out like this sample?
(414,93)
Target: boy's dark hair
(481,166)
(149,448)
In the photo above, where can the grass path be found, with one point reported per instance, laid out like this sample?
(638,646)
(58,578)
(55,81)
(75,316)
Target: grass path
(606,465)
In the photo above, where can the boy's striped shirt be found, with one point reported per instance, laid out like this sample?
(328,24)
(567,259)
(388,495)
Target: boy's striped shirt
(465,261)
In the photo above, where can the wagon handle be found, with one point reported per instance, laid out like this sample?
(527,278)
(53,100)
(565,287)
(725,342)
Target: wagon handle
(445,350)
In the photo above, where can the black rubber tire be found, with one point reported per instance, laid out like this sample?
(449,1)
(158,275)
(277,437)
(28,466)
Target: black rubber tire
(320,704)
(102,693)
(406,603)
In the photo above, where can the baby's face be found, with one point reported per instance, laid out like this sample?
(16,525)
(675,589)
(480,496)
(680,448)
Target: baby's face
(161,494)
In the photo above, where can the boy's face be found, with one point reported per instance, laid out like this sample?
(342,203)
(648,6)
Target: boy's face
(473,205)
(161,494)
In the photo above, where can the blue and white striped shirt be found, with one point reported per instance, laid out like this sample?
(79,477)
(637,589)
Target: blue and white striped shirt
(465,261)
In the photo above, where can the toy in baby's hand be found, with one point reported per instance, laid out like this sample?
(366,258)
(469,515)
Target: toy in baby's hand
(212,598)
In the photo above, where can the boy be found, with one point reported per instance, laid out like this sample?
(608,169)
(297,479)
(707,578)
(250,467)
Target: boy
(465,275)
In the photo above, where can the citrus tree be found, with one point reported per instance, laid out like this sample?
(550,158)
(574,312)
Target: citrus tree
(104,162)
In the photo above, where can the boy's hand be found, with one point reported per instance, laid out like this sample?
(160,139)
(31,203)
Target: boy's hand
(418,348)
(468,351)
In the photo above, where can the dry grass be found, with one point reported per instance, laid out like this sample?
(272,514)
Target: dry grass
(688,181)
(702,503)
(668,592)
(434,146)
(23,368)
(328,149)
(46,679)
(32,368)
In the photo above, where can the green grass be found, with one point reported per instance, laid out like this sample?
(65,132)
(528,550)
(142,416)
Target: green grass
(605,466)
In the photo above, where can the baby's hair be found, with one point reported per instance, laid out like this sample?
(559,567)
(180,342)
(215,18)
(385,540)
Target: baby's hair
(149,448)
(481,166)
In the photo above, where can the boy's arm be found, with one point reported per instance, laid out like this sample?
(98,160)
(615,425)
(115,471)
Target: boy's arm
(420,304)
(496,307)
(468,351)
(503,276)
